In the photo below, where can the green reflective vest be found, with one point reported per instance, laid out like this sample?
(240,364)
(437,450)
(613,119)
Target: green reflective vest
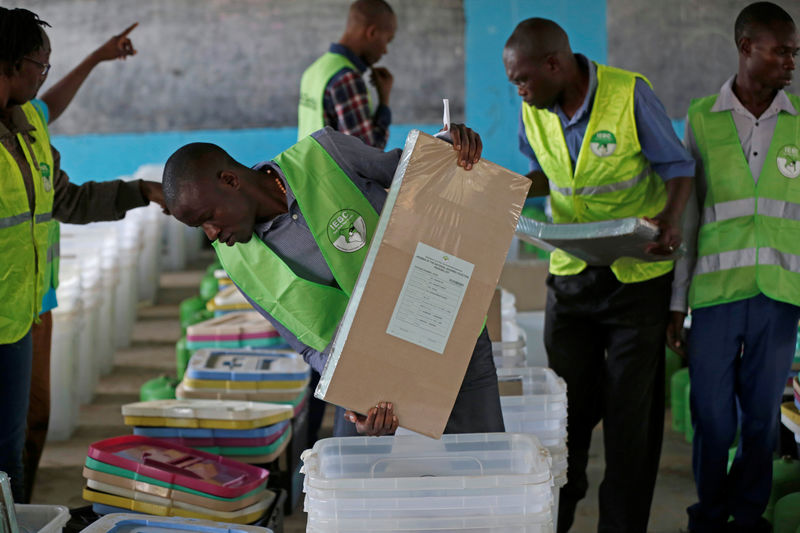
(749,236)
(310,114)
(612,179)
(342,222)
(24,235)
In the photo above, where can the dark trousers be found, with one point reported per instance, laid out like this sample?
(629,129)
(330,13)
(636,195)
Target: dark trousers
(737,351)
(39,401)
(15,382)
(477,407)
(606,339)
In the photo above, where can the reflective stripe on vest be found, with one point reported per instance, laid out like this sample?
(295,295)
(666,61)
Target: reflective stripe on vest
(342,222)
(23,235)
(748,241)
(310,112)
(603,189)
(747,207)
(612,179)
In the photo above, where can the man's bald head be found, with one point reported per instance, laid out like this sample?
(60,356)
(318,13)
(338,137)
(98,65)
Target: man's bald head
(364,13)
(538,37)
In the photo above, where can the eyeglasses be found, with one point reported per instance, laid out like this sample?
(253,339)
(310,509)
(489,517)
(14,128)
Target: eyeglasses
(45,66)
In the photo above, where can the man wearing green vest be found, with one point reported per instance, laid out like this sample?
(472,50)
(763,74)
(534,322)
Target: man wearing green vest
(744,270)
(35,192)
(293,233)
(601,144)
(332,89)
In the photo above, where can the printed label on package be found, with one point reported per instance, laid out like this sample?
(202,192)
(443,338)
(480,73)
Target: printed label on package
(430,299)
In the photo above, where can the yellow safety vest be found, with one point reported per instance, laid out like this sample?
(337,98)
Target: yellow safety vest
(612,178)
(310,113)
(749,236)
(24,235)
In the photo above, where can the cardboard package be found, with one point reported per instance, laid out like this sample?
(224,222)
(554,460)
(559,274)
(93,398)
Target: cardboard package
(420,302)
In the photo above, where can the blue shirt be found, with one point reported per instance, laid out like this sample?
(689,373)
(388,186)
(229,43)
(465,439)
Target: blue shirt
(660,145)
(288,235)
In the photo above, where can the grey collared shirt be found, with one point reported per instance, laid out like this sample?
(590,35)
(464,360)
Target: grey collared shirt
(755,135)
(371,170)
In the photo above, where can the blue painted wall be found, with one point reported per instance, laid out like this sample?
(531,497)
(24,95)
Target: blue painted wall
(107,156)
(492,102)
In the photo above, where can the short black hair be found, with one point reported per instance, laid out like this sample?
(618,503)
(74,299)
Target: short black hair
(20,34)
(758,15)
(189,165)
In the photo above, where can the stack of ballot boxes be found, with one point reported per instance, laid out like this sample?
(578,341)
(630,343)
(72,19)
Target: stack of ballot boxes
(509,343)
(481,482)
(534,401)
(156,477)
(258,375)
(240,329)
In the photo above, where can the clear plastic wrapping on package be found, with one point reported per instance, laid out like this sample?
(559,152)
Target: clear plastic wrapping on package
(421,298)
(597,243)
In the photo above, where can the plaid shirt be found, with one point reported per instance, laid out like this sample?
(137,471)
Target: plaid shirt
(346,105)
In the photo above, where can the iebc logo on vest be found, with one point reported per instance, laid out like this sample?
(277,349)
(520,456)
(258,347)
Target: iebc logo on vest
(603,143)
(789,161)
(347,231)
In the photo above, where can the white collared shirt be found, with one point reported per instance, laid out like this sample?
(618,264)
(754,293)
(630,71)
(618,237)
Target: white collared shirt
(755,136)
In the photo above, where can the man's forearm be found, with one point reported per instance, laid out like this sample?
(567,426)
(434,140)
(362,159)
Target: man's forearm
(678,191)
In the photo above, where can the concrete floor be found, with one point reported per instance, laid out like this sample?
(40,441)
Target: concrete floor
(152,353)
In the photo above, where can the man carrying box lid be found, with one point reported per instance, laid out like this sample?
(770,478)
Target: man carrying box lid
(295,266)
(744,270)
(601,144)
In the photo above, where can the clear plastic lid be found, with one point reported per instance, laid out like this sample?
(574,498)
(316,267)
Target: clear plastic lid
(414,462)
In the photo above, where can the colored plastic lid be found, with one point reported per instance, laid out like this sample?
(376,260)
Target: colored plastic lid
(224,414)
(141,486)
(290,396)
(137,523)
(252,386)
(247,365)
(99,466)
(179,465)
(254,512)
(168,507)
(237,451)
(205,437)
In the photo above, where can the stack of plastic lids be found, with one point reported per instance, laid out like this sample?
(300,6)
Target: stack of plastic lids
(234,330)
(223,280)
(228,300)
(511,349)
(277,376)
(482,481)
(129,523)
(796,390)
(539,408)
(249,432)
(151,476)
